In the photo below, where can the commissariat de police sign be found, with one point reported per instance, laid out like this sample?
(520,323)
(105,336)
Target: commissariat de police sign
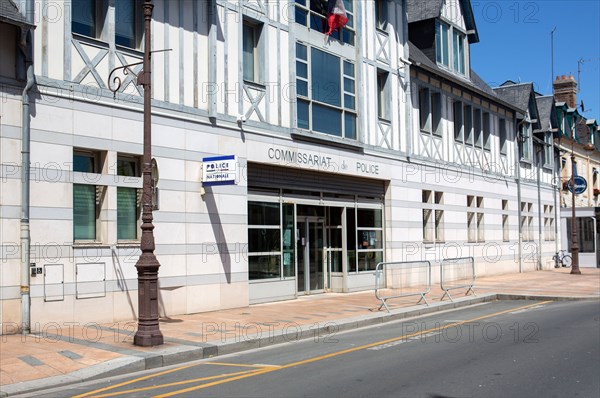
(220,170)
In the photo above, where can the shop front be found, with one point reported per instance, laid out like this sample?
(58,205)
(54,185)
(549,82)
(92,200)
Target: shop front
(326,234)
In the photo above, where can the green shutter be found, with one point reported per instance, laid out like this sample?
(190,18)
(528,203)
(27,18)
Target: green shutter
(126,213)
(84,212)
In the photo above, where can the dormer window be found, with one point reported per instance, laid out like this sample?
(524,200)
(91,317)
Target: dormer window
(441,43)
(450,47)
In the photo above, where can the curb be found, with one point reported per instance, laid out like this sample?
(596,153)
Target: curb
(186,353)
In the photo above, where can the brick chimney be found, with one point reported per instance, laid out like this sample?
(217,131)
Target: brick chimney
(565,90)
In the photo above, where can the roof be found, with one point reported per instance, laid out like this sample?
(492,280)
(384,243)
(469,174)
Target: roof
(9,13)
(517,94)
(421,10)
(544,105)
(475,84)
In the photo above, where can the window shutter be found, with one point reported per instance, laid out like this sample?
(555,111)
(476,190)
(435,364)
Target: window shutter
(126,213)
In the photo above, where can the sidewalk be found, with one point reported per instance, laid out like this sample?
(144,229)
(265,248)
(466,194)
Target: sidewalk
(64,355)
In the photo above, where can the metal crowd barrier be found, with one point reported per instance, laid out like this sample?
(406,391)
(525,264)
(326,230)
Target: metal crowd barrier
(402,279)
(457,273)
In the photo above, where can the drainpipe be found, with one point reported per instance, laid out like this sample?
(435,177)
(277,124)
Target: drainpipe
(26,47)
(518,177)
(539,198)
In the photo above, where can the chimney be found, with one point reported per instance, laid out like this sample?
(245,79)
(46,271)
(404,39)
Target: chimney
(565,90)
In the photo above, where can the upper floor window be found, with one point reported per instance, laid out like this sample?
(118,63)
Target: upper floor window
(450,47)
(548,152)
(91,18)
(430,111)
(525,141)
(381,14)
(328,104)
(441,43)
(251,51)
(86,17)
(502,136)
(128,23)
(383,101)
(458,51)
(313,14)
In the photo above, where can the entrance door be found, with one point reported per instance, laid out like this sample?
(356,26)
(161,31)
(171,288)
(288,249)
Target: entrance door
(311,235)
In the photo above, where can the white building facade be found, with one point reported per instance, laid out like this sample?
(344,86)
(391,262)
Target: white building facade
(349,152)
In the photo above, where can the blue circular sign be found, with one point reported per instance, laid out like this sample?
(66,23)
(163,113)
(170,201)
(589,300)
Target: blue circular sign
(580,185)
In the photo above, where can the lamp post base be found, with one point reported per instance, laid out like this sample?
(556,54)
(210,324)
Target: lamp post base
(148,338)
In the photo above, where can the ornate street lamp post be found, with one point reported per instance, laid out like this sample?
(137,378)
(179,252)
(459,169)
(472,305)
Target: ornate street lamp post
(580,131)
(574,244)
(148,332)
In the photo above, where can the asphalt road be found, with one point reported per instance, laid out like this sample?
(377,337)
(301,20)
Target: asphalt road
(498,349)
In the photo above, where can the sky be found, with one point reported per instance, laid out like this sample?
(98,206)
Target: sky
(515,44)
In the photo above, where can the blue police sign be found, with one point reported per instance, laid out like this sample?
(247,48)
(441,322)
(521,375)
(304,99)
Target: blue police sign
(580,185)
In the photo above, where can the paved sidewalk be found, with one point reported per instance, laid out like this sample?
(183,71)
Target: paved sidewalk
(63,355)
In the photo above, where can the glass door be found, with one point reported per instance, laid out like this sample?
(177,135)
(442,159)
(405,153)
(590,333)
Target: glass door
(311,235)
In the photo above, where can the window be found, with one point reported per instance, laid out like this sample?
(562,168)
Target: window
(505,224)
(128,23)
(424,110)
(548,151)
(84,15)
(549,234)
(86,197)
(430,111)
(458,51)
(383,101)
(251,57)
(369,233)
(477,127)
(264,240)
(327,105)
(468,130)
(90,18)
(475,219)
(502,136)
(449,41)
(527,221)
(128,207)
(433,216)
(381,14)
(441,43)
(457,108)
(525,141)
(486,131)
(313,15)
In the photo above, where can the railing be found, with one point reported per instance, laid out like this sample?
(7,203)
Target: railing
(402,279)
(457,273)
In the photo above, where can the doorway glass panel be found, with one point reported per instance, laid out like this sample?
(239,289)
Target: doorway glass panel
(310,255)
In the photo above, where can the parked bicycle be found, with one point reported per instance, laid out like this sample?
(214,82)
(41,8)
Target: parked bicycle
(561,258)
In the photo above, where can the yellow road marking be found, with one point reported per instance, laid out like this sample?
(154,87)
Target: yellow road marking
(176,383)
(87,394)
(240,365)
(337,353)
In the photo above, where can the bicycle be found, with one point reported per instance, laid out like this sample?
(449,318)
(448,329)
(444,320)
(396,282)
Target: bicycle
(562,259)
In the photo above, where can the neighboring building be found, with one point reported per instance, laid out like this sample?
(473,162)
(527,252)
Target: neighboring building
(351,150)
(538,210)
(580,137)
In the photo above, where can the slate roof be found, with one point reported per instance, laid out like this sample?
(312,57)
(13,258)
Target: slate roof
(544,105)
(476,83)
(516,94)
(9,13)
(421,10)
